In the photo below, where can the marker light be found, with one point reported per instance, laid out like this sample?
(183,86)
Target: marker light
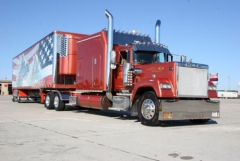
(165,86)
(167,115)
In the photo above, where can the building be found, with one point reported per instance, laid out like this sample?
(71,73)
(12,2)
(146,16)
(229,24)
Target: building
(5,87)
(239,89)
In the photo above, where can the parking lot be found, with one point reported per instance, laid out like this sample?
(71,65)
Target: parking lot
(29,132)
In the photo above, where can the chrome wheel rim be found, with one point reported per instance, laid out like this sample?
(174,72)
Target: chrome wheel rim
(47,101)
(148,109)
(56,101)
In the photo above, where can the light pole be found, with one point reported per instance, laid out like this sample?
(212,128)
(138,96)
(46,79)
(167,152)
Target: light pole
(228,82)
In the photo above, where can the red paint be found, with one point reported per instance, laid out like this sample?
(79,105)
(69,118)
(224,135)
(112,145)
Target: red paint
(90,101)
(212,94)
(91,62)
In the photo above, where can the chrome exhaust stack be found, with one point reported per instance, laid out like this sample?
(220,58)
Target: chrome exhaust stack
(109,49)
(157,31)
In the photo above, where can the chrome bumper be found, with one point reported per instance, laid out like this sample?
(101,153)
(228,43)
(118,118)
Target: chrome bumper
(189,109)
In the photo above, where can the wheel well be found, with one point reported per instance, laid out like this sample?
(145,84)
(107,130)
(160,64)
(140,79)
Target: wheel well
(142,90)
(63,95)
(139,92)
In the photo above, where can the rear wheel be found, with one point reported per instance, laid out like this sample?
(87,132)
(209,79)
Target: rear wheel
(58,104)
(199,121)
(49,100)
(148,109)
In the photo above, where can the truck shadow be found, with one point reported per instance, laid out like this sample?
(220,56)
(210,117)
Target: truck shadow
(126,116)
(113,114)
(176,123)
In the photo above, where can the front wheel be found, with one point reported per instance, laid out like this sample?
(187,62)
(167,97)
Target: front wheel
(148,109)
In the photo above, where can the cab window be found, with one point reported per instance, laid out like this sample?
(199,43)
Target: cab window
(145,57)
(124,57)
(161,57)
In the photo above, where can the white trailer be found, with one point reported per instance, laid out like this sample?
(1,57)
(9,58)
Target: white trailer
(227,94)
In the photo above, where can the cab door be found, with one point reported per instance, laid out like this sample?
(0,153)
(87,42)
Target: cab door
(123,56)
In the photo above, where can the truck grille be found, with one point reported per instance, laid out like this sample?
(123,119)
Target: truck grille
(192,80)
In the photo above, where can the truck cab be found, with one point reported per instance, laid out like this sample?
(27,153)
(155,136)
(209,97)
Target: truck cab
(146,74)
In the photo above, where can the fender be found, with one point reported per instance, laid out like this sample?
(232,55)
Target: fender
(155,85)
(64,95)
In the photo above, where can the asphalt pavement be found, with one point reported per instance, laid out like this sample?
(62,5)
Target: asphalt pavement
(30,132)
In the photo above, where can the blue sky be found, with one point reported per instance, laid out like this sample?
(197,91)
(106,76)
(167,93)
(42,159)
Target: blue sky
(207,31)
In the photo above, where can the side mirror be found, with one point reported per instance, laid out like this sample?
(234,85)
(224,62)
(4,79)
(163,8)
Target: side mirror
(113,57)
(113,60)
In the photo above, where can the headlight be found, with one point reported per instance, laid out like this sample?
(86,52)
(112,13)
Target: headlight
(212,88)
(165,86)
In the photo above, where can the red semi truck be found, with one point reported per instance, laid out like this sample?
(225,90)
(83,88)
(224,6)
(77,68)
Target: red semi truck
(114,70)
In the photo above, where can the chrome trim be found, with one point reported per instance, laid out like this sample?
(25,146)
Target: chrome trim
(187,83)
(124,94)
(121,102)
(64,46)
(47,100)
(126,68)
(192,65)
(137,71)
(56,101)
(87,91)
(148,109)
(190,109)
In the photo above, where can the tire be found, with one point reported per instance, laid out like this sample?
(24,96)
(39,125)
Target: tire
(199,121)
(148,109)
(14,99)
(19,100)
(58,104)
(48,102)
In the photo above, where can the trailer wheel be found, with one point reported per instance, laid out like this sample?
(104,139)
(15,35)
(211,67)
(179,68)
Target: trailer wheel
(148,109)
(199,121)
(58,103)
(49,100)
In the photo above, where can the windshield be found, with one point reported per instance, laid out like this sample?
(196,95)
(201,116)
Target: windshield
(146,57)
